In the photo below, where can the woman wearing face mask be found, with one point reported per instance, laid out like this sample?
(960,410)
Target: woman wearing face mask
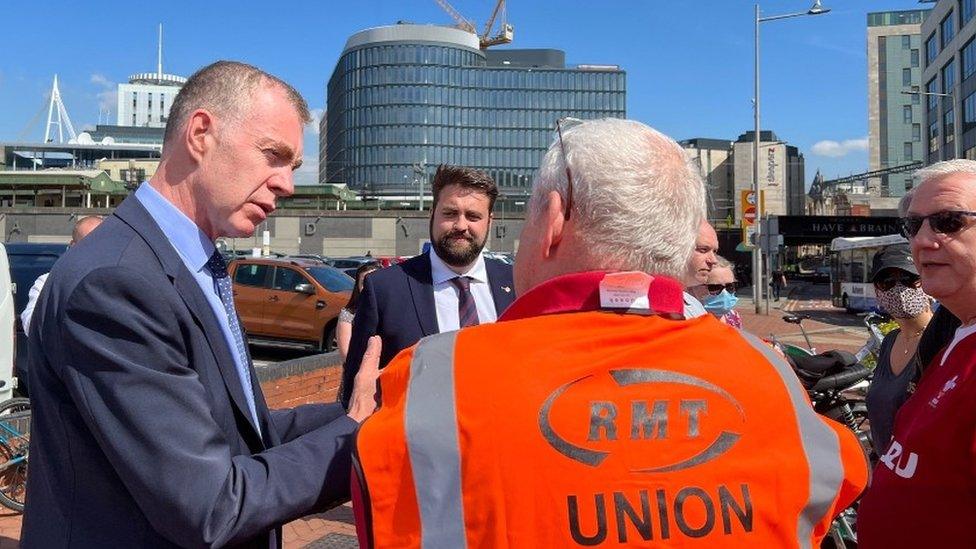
(899,293)
(718,294)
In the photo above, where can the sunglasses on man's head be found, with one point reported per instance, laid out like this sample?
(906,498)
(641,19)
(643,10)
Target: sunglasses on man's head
(715,289)
(946,222)
(905,279)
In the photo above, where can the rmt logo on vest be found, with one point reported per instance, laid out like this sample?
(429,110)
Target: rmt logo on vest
(690,424)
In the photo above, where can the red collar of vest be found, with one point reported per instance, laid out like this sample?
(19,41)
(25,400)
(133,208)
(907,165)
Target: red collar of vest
(580,292)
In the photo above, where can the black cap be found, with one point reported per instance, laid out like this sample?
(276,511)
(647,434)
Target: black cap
(895,256)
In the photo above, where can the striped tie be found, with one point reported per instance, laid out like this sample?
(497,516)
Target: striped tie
(218,268)
(467,310)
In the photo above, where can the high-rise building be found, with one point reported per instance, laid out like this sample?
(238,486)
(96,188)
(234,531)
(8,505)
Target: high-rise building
(714,157)
(949,66)
(894,118)
(781,177)
(404,98)
(146,99)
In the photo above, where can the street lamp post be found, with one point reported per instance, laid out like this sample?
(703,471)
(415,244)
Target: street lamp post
(956,145)
(757,263)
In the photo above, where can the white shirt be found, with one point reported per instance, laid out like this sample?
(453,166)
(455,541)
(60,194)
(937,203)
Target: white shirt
(961,333)
(35,291)
(446,294)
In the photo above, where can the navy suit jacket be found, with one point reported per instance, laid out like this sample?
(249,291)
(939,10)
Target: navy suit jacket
(397,303)
(141,435)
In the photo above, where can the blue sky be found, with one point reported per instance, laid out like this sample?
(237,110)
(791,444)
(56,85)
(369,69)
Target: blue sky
(689,63)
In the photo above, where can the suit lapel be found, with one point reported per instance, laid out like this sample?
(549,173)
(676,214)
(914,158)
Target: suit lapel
(135,215)
(421,284)
(500,282)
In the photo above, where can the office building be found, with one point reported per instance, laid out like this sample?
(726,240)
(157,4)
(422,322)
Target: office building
(894,48)
(781,179)
(714,157)
(948,81)
(404,98)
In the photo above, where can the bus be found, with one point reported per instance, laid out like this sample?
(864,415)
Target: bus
(851,259)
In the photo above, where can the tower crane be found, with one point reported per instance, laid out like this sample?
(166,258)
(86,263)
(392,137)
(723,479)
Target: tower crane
(505,33)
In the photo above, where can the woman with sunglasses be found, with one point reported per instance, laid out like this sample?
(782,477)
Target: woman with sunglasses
(718,293)
(899,293)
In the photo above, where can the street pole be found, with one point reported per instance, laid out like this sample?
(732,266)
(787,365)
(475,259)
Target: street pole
(756,250)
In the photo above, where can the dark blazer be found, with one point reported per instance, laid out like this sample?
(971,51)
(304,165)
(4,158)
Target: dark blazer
(141,435)
(397,303)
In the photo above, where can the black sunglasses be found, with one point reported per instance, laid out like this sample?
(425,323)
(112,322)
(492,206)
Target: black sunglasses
(946,222)
(569,174)
(716,289)
(907,280)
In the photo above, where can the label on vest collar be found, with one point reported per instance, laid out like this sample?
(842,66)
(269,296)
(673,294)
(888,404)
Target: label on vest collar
(627,290)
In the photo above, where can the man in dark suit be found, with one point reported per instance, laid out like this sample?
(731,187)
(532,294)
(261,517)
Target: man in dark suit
(450,286)
(149,426)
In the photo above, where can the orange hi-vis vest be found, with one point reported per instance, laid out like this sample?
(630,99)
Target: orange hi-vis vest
(591,415)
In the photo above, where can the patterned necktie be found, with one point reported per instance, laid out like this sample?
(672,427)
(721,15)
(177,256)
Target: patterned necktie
(218,268)
(467,310)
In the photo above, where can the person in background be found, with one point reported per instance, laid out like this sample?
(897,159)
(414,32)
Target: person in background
(718,295)
(83,226)
(700,263)
(777,282)
(898,289)
(348,313)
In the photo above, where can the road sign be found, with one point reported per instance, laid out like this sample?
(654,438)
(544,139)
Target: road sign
(750,215)
(747,201)
(748,238)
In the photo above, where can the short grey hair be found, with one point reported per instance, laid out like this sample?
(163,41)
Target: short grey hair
(225,89)
(638,200)
(905,203)
(944,168)
(723,263)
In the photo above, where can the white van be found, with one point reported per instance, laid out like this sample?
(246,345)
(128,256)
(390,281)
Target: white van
(6,328)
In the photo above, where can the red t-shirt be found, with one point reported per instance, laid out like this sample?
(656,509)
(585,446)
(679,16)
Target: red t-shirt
(923,491)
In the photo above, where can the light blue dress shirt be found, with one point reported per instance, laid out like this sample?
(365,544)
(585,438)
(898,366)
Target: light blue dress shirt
(195,249)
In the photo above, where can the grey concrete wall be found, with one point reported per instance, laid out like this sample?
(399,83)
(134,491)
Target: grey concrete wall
(328,233)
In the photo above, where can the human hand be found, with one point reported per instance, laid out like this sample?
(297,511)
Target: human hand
(362,402)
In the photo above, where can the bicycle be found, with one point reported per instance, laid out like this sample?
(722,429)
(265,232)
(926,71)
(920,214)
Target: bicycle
(15,418)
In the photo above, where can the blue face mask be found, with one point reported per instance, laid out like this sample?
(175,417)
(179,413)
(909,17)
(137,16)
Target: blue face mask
(720,303)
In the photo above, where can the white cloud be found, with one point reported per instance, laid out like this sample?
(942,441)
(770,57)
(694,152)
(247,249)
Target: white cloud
(108,97)
(836,149)
(313,126)
(308,174)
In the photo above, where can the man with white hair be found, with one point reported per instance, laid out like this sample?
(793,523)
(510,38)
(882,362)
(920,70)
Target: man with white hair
(923,492)
(593,411)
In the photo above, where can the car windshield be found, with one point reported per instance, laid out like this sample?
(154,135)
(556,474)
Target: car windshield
(333,280)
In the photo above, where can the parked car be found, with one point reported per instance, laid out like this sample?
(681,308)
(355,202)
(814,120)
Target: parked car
(293,301)
(349,265)
(28,260)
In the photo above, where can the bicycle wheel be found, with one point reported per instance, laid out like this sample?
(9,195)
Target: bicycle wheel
(14,447)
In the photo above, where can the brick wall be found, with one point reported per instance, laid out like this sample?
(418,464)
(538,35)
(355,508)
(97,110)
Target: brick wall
(306,380)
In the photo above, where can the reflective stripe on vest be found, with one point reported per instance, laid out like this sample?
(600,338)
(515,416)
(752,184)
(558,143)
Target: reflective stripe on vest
(820,447)
(430,425)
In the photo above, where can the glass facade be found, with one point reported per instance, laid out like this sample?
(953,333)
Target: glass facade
(399,106)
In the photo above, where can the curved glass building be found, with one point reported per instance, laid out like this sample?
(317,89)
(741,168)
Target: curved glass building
(403,99)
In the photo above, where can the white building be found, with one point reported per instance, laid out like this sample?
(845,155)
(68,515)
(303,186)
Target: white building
(145,101)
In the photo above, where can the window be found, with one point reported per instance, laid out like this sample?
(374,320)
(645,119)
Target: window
(333,279)
(949,120)
(916,132)
(931,49)
(948,30)
(934,136)
(948,77)
(969,112)
(133,119)
(908,150)
(915,58)
(916,98)
(906,112)
(932,88)
(966,10)
(906,77)
(251,275)
(906,41)
(968,59)
(286,279)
